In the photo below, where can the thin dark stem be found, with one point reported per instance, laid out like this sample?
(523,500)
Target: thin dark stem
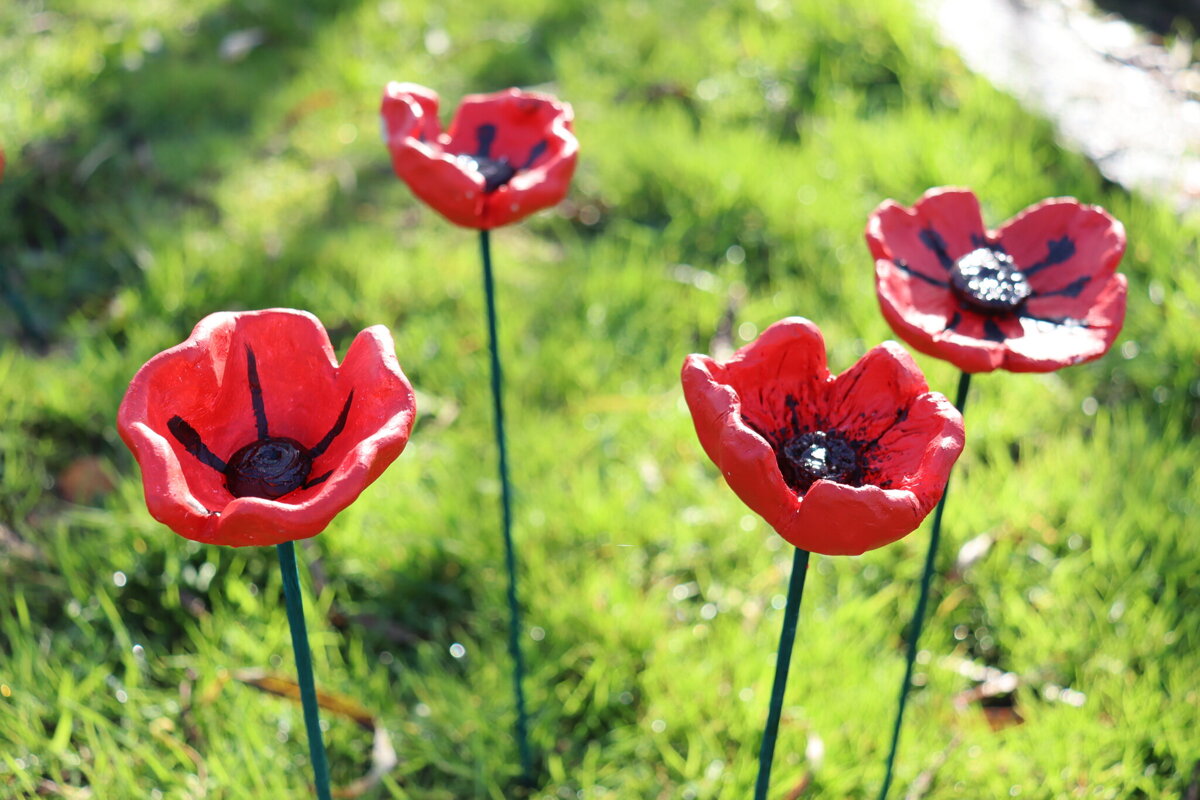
(918,619)
(783,658)
(304,672)
(510,557)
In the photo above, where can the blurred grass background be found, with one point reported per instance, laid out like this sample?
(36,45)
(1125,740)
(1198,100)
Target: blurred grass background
(167,160)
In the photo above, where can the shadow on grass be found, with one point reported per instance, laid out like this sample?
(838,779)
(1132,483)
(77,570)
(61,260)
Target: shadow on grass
(432,599)
(159,128)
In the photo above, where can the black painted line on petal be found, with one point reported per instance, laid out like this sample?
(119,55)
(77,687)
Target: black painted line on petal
(534,154)
(256,397)
(933,240)
(991,331)
(337,428)
(311,483)
(1058,251)
(983,242)
(191,441)
(907,270)
(1072,289)
(485,135)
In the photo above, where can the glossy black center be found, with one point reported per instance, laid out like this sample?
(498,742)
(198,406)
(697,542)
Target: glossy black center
(496,172)
(988,281)
(268,468)
(814,456)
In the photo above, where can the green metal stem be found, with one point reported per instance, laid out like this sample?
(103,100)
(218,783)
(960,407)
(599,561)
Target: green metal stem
(914,634)
(783,658)
(304,671)
(510,557)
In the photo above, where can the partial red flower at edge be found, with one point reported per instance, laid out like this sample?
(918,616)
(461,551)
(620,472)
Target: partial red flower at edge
(1040,293)
(504,156)
(250,433)
(836,465)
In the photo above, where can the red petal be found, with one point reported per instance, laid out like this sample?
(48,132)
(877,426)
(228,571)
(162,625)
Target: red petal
(840,520)
(1097,239)
(522,120)
(1045,346)
(918,453)
(786,360)
(869,397)
(927,306)
(895,233)
(409,110)
(744,458)
(1082,306)
(955,215)
(529,191)
(442,182)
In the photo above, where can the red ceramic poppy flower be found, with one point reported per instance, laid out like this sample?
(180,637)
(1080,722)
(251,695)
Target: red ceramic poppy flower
(837,465)
(505,155)
(250,433)
(1040,293)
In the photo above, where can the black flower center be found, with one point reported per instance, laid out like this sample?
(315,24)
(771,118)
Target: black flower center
(816,455)
(268,468)
(496,172)
(988,281)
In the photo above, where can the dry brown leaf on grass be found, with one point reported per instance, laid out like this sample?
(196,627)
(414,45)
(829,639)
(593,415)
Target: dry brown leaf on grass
(997,698)
(383,754)
(85,480)
(286,687)
(801,787)
(995,691)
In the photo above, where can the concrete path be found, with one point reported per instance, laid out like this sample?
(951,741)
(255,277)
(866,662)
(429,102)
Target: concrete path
(1116,95)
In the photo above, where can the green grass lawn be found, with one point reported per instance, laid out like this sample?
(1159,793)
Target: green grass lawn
(730,155)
